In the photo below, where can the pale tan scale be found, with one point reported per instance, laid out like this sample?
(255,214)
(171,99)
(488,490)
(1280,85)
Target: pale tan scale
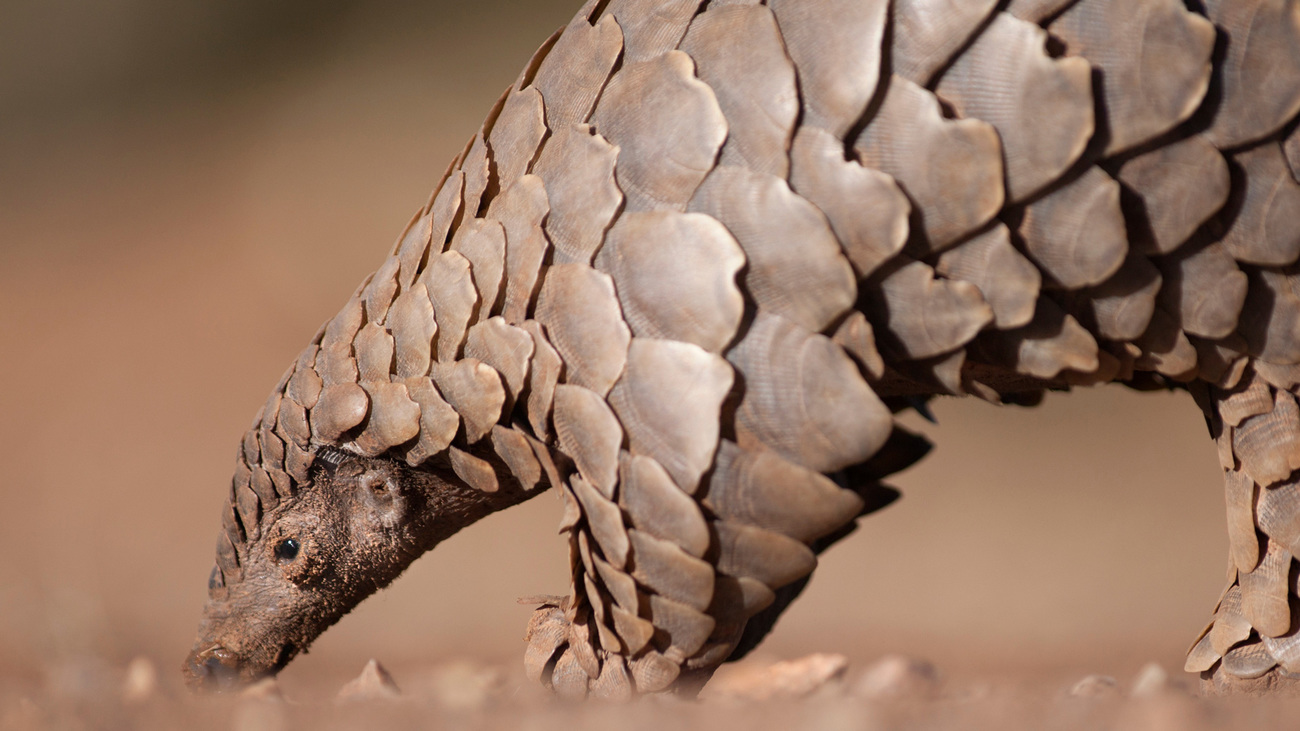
(381,290)
(1264,592)
(811,284)
(736,599)
(580,640)
(804,398)
(1291,149)
(1268,445)
(1260,95)
(614,684)
(445,208)
(297,462)
(250,508)
(621,586)
(516,135)
(572,514)
(546,634)
(651,27)
(1174,189)
(759,488)
(304,385)
(340,408)
(1230,625)
(476,472)
(1276,510)
(568,679)
(1286,377)
(577,167)
(1270,320)
(680,631)
(951,170)
(762,555)
(514,450)
(262,486)
(414,325)
(1240,492)
(1051,343)
(635,631)
(507,349)
(858,339)
(928,33)
(478,174)
(335,363)
(1121,307)
(590,434)
(1249,399)
(675,275)
(574,72)
(669,400)
(412,246)
(337,338)
(653,672)
(668,128)
(439,422)
(1285,649)
(1201,656)
(1248,661)
(597,597)
(920,315)
(1223,443)
(521,210)
(454,299)
(1166,349)
(543,375)
(483,243)
(604,521)
(394,418)
(1036,11)
(1222,362)
(272,450)
(474,390)
(1077,233)
(374,350)
(1007,79)
(1263,231)
(1146,93)
(669,571)
(943,372)
(754,83)
(584,323)
(1008,281)
(837,47)
(656,505)
(870,234)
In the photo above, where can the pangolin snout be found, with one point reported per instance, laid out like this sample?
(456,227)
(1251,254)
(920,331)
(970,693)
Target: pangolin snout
(212,668)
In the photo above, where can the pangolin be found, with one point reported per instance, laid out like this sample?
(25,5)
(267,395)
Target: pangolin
(700,254)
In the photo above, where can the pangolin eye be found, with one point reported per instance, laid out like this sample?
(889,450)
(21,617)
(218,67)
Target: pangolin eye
(287,550)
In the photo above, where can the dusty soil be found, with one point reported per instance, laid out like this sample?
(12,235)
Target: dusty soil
(174,225)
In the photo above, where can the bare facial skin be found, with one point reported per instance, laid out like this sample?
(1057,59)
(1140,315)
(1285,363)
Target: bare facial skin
(316,556)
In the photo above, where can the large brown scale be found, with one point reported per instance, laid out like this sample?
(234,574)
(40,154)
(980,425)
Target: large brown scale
(700,253)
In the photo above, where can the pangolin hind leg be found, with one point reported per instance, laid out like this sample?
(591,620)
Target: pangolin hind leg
(1253,643)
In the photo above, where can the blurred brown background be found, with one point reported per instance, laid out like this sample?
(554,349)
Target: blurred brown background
(187,190)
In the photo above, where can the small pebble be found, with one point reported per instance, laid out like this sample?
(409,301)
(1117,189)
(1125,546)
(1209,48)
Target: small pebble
(895,676)
(785,679)
(141,682)
(1152,680)
(374,683)
(465,686)
(1095,686)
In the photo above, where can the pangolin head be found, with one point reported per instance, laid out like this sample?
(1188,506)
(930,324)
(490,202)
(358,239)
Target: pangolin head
(305,562)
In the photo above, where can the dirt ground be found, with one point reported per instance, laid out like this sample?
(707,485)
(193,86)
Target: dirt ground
(188,190)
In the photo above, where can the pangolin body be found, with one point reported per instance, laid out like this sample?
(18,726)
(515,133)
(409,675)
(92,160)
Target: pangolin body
(701,252)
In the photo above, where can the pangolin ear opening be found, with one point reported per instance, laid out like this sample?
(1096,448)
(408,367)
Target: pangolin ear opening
(382,493)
